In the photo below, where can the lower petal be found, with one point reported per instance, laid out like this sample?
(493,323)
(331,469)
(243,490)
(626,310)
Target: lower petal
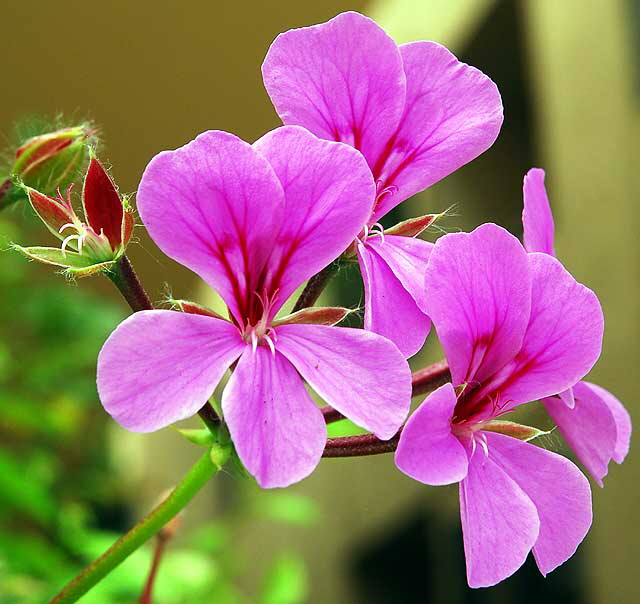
(390,310)
(277,429)
(621,417)
(427,450)
(361,374)
(161,366)
(588,428)
(499,522)
(559,490)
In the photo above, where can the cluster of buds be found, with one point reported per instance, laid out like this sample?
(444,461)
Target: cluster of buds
(47,162)
(90,245)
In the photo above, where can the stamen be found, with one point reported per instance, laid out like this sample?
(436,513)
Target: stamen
(254,341)
(267,339)
(67,226)
(66,241)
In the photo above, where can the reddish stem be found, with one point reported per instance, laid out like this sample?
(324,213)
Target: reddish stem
(361,445)
(161,542)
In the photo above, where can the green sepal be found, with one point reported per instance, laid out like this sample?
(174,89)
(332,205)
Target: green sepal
(55,256)
(202,437)
(519,431)
(92,269)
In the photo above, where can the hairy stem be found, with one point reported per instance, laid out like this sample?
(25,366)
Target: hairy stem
(431,377)
(125,279)
(315,286)
(359,446)
(195,479)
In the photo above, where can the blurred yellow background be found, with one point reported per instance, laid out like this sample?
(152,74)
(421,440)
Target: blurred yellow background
(155,74)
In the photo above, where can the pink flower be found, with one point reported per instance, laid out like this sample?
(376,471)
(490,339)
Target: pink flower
(592,420)
(515,327)
(414,111)
(254,221)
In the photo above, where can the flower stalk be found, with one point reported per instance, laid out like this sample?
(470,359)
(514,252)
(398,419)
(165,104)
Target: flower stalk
(183,493)
(315,286)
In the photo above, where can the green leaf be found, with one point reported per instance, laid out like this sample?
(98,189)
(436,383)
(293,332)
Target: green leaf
(289,508)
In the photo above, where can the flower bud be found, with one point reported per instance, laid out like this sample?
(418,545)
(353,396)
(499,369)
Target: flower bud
(50,161)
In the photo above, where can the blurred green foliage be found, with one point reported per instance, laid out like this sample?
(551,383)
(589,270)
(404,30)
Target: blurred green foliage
(61,504)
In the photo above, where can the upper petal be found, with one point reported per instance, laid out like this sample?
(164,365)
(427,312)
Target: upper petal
(277,429)
(361,374)
(563,338)
(342,80)
(453,113)
(499,522)
(428,451)
(161,366)
(390,310)
(537,219)
(621,417)
(215,206)
(329,192)
(478,295)
(588,428)
(559,490)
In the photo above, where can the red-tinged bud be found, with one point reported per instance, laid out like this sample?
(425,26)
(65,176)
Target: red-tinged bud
(519,431)
(103,207)
(49,161)
(194,309)
(329,315)
(412,227)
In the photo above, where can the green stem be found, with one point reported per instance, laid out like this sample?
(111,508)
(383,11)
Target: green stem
(195,479)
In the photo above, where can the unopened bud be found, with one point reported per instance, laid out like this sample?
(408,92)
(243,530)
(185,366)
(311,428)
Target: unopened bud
(50,161)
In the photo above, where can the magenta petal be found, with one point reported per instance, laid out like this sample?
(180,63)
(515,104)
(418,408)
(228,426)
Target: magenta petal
(499,522)
(342,80)
(537,219)
(214,205)
(329,193)
(621,417)
(161,366)
(559,491)
(427,450)
(568,398)
(563,338)
(407,257)
(389,310)
(589,428)
(361,374)
(453,113)
(478,294)
(277,429)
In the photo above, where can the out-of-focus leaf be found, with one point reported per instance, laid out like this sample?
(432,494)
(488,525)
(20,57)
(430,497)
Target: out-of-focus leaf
(344,427)
(286,581)
(290,508)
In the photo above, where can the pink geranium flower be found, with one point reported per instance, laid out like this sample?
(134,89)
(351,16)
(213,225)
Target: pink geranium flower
(593,421)
(254,221)
(414,111)
(515,327)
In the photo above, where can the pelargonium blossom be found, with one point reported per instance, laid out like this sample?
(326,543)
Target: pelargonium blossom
(592,420)
(515,327)
(254,221)
(414,111)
